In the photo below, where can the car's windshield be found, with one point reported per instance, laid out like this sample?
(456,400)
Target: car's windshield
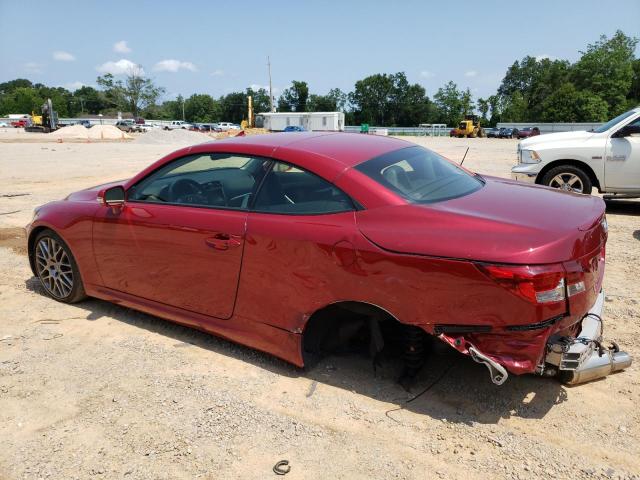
(606,126)
(420,175)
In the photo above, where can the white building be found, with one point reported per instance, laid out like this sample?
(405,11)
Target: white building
(310,121)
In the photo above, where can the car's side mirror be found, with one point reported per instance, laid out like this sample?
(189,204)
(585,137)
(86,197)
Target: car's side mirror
(114,197)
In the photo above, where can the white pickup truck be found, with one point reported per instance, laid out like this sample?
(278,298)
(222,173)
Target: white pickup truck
(607,158)
(178,124)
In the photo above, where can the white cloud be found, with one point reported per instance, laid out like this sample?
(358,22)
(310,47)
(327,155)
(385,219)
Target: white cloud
(427,74)
(545,56)
(121,47)
(471,73)
(73,86)
(33,67)
(173,66)
(120,67)
(63,56)
(217,73)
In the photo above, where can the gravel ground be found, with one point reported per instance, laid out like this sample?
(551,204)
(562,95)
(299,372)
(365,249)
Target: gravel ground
(95,390)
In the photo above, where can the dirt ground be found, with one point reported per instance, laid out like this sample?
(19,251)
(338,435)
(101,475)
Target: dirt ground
(95,390)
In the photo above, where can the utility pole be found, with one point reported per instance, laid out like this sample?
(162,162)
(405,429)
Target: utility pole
(183,119)
(270,89)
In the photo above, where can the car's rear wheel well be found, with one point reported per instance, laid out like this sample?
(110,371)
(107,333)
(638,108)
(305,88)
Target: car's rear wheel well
(574,163)
(364,328)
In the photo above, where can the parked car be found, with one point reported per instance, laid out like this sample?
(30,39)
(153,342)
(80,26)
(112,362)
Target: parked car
(178,125)
(528,132)
(127,126)
(607,158)
(294,128)
(508,133)
(453,132)
(492,132)
(19,123)
(85,123)
(224,126)
(4,124)
(293,253)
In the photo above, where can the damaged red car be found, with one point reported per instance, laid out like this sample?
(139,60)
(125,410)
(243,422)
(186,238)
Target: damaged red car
(297,244)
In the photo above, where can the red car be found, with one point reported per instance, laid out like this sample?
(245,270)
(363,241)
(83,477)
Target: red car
(528,132)
(19,123)
(306,243)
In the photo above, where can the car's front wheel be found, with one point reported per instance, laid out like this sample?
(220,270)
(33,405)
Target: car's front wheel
(56,268)
(568,178)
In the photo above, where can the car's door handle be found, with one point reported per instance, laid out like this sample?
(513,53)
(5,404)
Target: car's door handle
(222,241)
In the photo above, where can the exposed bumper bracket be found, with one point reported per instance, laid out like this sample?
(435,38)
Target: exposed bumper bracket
(497,372)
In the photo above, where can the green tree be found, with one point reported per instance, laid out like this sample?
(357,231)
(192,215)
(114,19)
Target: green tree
(494,109)
(89,100)
(371,99)
(233,107)
(567,104)
(260,99)
(388,100)
(606,70)
(294,98)
(449,104)
(201,108)
(514,108)
(483,108)
(634,91)
(136,93)
(321,103)
(20,100)
(11,85)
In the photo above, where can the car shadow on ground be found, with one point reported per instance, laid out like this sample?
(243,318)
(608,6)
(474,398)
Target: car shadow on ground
(464,394)
(623,207)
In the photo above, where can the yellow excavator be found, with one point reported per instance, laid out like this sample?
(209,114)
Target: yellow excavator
(469,127)
(46,122)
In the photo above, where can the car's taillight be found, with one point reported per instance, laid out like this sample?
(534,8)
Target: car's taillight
(537,284)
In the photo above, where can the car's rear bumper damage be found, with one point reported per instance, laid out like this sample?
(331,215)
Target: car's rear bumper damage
(573,359)
(584,358)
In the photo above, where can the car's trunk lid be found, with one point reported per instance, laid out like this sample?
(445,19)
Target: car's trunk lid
(503,222)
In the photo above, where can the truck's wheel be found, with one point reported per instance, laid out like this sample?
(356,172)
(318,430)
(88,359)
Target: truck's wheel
(568,178)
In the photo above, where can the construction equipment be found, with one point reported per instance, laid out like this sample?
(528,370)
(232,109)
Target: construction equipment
(46,122)
(469,127)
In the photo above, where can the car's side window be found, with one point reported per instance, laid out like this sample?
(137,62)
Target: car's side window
(217,180)
(290,190)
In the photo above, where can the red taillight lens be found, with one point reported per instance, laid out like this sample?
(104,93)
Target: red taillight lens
(537,284)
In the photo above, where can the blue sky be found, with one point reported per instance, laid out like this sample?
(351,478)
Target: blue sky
(218,47)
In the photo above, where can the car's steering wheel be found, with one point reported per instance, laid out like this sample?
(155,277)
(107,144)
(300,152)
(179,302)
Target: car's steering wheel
(186,190)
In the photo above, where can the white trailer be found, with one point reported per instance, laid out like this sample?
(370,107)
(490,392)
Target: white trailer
(310,121)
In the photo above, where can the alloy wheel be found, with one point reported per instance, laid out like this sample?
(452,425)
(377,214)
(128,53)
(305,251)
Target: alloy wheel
(568,182)
(54,267)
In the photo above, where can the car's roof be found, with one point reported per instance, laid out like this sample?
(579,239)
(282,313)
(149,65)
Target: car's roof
(349,149)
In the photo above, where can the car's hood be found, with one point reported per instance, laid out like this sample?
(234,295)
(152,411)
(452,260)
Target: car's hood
(503,222)
(555,137)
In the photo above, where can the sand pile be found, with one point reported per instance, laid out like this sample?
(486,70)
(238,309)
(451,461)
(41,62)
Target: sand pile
(72,132)
(97,132)
(106,132)
(172,137)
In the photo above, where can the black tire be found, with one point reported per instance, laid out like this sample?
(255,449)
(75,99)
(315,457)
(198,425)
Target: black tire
(567,174)
(56,285)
